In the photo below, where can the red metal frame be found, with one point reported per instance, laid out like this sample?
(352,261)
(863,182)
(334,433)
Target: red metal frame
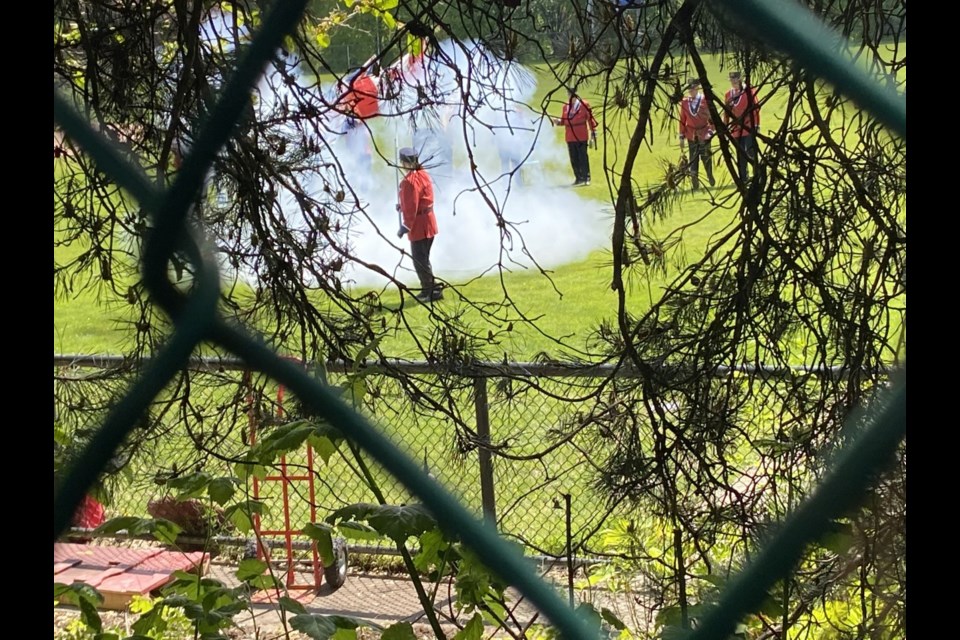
(285,478)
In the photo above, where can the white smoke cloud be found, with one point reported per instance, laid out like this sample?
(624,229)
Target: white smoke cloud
(474,115)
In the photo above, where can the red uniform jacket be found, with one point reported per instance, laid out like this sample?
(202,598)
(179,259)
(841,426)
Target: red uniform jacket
(695,119)
(743,112)
(361,100)
(416,205)
(578,119)
(89,514)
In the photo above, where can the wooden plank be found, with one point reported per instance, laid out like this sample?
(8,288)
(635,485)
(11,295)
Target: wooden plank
(63,566)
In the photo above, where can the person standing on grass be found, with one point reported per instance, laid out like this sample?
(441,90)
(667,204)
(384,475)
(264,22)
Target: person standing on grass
(581,129)
(696,130)
(742,117)
(418,221)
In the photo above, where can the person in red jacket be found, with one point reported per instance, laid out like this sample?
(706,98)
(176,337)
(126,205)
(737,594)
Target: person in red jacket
(361,96)
(742,117)
(581,128)
(418,221)
(696,131)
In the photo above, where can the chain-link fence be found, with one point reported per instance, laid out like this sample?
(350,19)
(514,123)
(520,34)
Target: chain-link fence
(785,25)
(506,444)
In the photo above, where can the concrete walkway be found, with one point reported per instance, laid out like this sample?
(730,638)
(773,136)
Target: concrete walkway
(384,600)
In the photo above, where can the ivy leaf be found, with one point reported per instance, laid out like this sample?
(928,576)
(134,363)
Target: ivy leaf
(241,514)
(396,522)
(264,583)
(432,546)
(166,531)
(152,620)
(221,490)
(611,618)
(250,568)
(714,579)
(399,631)
(163,530)
(76,593)
(284,439)
(668,616)
(324,627)
(322,534)
(473,630)
(89,615)
(191,486)
(323,445)
(590,615)
(246,470)
(839,538)
(771,607)
(131,524)
(358,531)
(289,604)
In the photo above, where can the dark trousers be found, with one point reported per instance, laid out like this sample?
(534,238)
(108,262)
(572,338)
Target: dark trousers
(700,149)
(746,153)
(420,251)
(579,160)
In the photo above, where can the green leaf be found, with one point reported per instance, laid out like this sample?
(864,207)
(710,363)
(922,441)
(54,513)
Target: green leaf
(399,631)
(385,5)
(358,531)
(396,522)
(714,579)
(316,627)
(473,629)
(668,616)
(324,627)
(323,41)
(432,547)
(771,607)
(241,513)
(166,531)
(246,470)
(358,391)
(590,615)
(323,445)
(349,3)
(367,349)
(839,538)
(612,619)
(131,524)
(221,490)
(191,486)
(264,583)
(78,592)
(89,615)
(345,634)
(283,439)
(291,605)
(322,534)
(250,568)
(388,20)
(152,620)
(106,636)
